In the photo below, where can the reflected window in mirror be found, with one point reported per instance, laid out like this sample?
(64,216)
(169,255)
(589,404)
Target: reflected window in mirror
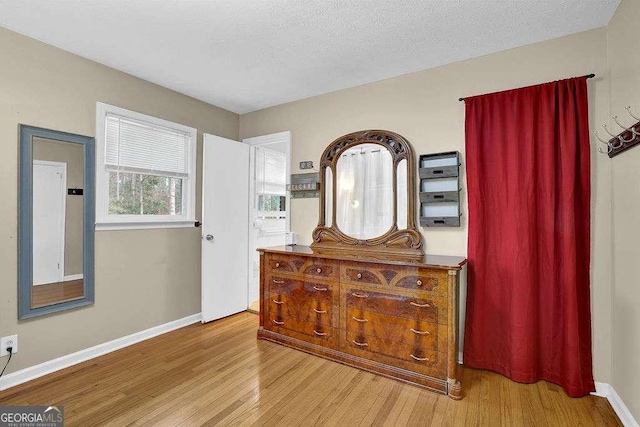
(328,197)
(401,194)
(365,191)
(56,221)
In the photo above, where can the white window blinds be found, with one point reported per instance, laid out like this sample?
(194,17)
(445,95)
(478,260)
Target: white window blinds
(141,147)
(271,171)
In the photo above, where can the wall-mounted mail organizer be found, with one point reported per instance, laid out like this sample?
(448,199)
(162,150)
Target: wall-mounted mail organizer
(305,185)
(440,189)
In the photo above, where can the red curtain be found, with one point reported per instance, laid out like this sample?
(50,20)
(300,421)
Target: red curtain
(528,178)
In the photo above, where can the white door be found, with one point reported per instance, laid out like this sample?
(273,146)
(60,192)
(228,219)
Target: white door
(269,218)
(49,206)
(225,211)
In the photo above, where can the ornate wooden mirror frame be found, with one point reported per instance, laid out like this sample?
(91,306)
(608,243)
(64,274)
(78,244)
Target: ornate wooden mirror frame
(400,244)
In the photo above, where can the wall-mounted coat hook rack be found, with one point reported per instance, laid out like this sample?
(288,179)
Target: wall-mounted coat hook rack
(629,137)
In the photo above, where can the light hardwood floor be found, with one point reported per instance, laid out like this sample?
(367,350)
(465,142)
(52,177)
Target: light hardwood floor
(219,374)
(54,293)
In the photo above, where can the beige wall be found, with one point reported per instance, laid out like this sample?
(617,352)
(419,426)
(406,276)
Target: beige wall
(143,278)
(624,64)
(149,277)
(73,156)
(424,108)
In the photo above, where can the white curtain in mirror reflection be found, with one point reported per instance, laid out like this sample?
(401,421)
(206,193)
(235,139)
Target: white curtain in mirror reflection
(364,199)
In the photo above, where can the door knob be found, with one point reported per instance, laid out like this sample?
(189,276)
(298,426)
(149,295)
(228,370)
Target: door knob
(209,237)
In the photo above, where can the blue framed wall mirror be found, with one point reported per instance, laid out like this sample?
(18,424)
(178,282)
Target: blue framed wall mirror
(55,221)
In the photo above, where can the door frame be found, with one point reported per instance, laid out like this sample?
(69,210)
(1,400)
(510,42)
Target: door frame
(253,142)
(63,237)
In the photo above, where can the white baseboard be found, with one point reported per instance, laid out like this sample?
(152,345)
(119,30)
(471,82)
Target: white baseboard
(37,371)
(73,277)
(602,390)
(607,391)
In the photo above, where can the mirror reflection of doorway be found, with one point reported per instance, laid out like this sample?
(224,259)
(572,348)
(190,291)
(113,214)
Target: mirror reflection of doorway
(269,216)
(49,182)
(57,223)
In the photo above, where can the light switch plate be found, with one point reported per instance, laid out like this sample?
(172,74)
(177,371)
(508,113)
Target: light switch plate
(308,164)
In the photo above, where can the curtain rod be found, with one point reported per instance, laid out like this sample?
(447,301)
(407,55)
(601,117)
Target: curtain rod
(589,76)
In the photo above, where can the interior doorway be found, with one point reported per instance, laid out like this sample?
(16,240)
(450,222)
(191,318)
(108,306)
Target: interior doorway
(269,201)
(49,206)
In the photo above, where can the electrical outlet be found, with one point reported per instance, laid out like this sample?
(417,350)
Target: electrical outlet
(10,341)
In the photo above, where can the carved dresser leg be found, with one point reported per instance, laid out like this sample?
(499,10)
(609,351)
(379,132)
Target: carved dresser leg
(454,389)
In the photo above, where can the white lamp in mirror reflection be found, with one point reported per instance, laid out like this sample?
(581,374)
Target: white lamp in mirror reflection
(345,184)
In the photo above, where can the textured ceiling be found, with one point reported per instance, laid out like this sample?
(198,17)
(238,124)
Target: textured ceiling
(244,55)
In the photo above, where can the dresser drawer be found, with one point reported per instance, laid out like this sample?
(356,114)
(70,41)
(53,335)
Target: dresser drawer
(414,278)
(432,310)
(283,264)
(284,324)
(316,311)
(282,285)
(415,332)
(426,361)
(432,281)
(302,266)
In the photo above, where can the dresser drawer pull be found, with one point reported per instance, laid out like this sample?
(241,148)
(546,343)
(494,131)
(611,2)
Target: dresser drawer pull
(278,281)
(277,264)
(421,359)
(359,276)
(361,344)
(359,320)
(278,302)
(319,311)
(420,305)
(321,334)
(318,270)
(319,289)
(277,322)
(357,295)
(420,332)
(419,282)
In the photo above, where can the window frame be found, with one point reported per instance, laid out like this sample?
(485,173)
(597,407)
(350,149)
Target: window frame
(106,221)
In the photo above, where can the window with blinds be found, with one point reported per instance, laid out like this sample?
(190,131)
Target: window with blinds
(140,147)
(146,169)
(271,182)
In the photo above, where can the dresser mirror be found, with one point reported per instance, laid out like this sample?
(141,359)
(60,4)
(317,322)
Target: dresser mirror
(367,202)
(55,221)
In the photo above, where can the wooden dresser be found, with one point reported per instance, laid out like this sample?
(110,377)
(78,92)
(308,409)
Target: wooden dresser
(397,319)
